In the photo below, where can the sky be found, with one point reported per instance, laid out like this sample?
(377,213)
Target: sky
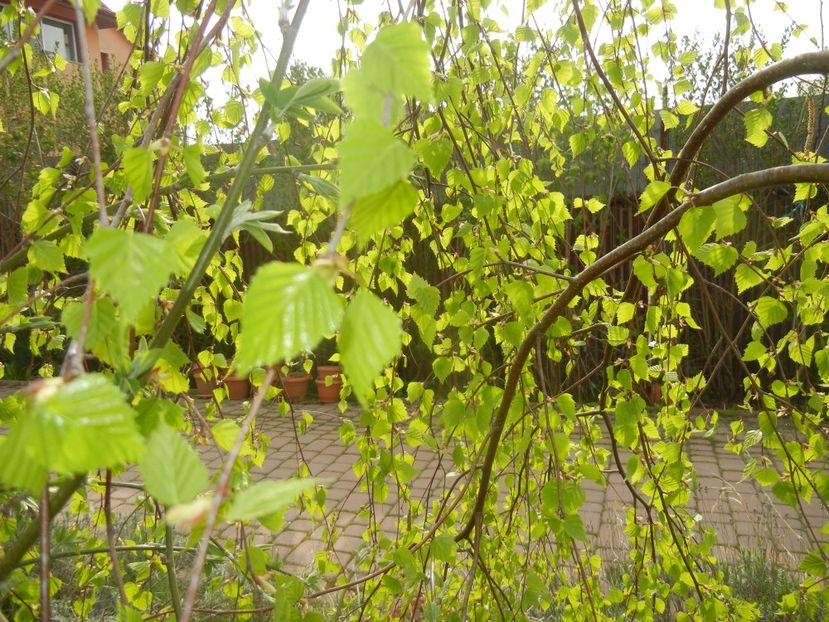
(318,38)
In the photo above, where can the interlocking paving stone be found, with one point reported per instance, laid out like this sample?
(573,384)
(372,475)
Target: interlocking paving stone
(743,513)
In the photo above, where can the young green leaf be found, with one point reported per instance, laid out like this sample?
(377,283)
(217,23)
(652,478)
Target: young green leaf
(719,257)
(444,548)
(71,427)
(770,311)
(696,226)
(371,159)
(192,163)
(46,255)
(138,168)
(653,194)
(172,470)
(434,154)
(730,218)
(267,498)
(387,208)
(131,267)
(398,61)
(370,338)
(757,121)
(288,309)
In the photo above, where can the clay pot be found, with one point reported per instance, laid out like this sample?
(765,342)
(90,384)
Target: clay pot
(329,394)
(238,387)
(328,370)
(205,382)
(295,385)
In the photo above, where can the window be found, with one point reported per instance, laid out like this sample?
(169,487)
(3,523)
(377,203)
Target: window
(57,37)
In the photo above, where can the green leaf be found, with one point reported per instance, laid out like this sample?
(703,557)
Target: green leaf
(370,338)
(131,267)
(754,350)
(149,75)
(172,470)
(574,527)
(643,269)
(669,119)
(192,163)
(617,335)
(719,257)
(631,150)
(444,548)
(267,498)
(398,61)
(770,311)
(225,433)
(746,277)
(822,363)
(371,159)
(578,143)
(757,121)
(288,309)
(90,9)
(321,186)
(653,194)
(101,325)
(695,226)
(766,477)
(426,296)
(628,414)
(313,94)
(71,427)
(685,107)
(315,90)
(46,255)
(17,286)
(625,312)
(814,564)
(730,218)
(434,154)
(138,168)
(383,209)
(17,468)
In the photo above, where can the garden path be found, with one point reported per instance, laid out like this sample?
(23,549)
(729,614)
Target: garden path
(745,515)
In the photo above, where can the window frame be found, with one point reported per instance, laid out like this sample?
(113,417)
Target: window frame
(62,24)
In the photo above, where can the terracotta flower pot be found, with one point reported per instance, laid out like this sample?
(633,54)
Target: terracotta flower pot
(329,394)
(295,385)
(328,370)
(238,387)
(205,381)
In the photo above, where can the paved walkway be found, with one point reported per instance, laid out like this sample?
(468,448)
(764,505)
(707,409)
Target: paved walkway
(744,515)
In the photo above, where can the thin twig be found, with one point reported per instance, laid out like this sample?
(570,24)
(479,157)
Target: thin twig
(45,603)
(170,563)
(89,108)
(222,487)
(110,531)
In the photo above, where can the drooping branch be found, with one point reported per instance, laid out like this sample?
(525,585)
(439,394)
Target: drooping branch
(804,64)
(801,173)
(214,241)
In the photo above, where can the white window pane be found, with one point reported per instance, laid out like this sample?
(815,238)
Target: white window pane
(58,38)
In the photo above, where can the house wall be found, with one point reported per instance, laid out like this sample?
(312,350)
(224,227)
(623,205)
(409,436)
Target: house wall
(107,40)
(113,41)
